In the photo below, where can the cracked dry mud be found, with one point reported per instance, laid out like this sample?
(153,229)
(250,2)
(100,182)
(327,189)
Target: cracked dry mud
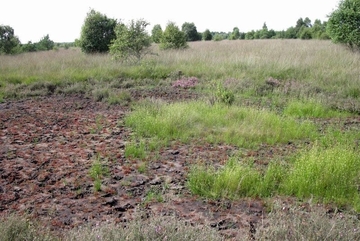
(48,145)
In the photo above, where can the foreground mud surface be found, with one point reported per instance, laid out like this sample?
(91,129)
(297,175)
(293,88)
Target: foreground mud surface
(49,144)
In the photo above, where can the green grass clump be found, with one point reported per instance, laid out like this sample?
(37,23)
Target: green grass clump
(97,171)
(135,150)
(241,126)
(329,175)
(310,108)
(233,181)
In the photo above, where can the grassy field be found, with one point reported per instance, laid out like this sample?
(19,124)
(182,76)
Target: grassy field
(258,92)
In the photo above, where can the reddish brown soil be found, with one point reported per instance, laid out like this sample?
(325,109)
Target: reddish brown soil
(47,147)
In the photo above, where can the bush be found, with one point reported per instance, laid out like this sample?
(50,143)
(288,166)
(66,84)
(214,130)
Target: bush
(156,33)
(97,32)
(190,31)
(224,95)
(173,38)
(132,42)
(8,41)
(343,24)
(207,35)
(45,43)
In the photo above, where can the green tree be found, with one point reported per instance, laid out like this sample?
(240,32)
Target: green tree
(156,33)
(190,31)
(235,34)
(173,38)
(307,22)
(290,33)
(264,32)
(207,35)
(305,33)
(29,47)
(301,24)
(97,32)
(250,35)
(45,43)
(344,24)
(271,33)
(257,34)
(132,42)
(9,43)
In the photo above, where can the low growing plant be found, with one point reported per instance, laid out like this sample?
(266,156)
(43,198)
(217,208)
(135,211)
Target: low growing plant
(234,125)
(135,150)
(224,95)
(312,223)
(330,175)
(310,108)
(97,172)
(13,228)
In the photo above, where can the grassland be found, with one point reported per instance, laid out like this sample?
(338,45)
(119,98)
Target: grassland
(285,91)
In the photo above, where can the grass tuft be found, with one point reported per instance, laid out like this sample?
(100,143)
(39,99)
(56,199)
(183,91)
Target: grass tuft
(329,175)
(218,123)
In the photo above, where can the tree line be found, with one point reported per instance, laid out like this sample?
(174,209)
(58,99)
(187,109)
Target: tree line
(304,29)
(131,41)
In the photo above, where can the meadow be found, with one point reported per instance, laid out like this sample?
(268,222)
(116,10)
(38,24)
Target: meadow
(251,94)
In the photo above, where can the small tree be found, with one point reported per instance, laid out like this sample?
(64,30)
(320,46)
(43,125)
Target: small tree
(8,41)
(45,43)
(156,33)
(344,24)
(264,32)
(97,33)
(190,31)
(132,42)
(207,35)
(29,47)
(173,38)
(235,34)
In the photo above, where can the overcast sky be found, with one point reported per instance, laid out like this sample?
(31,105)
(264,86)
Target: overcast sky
(63,19)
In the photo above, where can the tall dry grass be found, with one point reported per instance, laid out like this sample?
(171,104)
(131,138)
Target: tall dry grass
(311,66)
(314,60)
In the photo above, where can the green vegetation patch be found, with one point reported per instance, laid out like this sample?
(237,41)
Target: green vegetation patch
(327,174)
(310,108)
(330,175)
(219,123)
(235,180)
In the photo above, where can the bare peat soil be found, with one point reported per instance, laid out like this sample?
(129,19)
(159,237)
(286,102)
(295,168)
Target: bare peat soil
(49,144)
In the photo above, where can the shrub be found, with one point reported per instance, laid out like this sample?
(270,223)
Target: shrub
(156,33)
(224,95)
(343,24)
(8,41)
(97,32)
(132,42)
(173,38)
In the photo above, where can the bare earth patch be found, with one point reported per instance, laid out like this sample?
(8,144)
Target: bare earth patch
(48,145)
